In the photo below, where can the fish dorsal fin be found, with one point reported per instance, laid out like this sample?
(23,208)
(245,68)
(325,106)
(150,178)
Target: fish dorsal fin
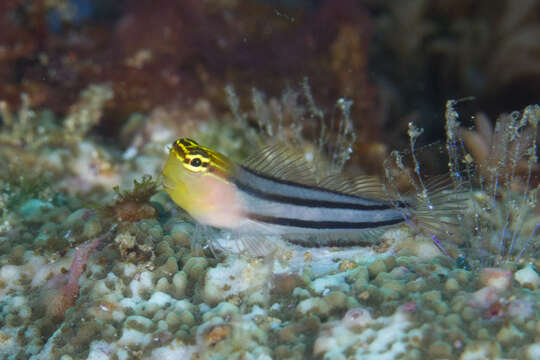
(282,161)
(286,162)
(361,186)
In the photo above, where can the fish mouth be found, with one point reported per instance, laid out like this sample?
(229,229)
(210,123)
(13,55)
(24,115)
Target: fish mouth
(167,183)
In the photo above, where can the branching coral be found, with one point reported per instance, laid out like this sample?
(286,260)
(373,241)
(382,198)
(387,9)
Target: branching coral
(295,117)
(502,225)
(21,129)
(33,130)
(494,191)
(87,111)
(505,153)
(38,140)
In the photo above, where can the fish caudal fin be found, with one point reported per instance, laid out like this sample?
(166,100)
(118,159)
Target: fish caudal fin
(438,202)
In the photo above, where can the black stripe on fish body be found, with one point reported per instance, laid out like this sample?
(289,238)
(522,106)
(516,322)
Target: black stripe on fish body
(287,192)
(315,212)
(308,202)
(321,224)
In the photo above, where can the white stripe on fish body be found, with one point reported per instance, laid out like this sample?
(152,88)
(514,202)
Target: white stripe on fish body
(263,207)
(279,207)
(271,185)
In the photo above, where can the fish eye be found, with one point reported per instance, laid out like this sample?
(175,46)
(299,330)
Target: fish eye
(196,162)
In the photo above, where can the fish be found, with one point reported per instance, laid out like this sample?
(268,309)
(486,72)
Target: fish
(277,192)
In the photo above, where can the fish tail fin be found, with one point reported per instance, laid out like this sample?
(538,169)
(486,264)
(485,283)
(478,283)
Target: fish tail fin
(437,202)
(438,212)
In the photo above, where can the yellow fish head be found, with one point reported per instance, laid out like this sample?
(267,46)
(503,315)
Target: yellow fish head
(198,179)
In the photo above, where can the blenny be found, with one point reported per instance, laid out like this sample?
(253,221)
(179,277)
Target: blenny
(275,192)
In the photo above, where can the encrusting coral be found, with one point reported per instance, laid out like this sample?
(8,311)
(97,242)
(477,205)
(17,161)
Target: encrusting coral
(134,205)
(141,290)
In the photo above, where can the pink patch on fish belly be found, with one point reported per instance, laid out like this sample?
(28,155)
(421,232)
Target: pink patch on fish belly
(223,207)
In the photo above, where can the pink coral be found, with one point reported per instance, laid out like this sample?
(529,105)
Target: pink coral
(410,307)
(62,294)
(499,278)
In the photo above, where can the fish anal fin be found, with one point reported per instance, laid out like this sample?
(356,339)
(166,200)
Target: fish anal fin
(364,238)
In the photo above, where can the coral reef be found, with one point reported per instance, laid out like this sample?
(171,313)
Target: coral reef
(96,262)
(115,273)
(505,166)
